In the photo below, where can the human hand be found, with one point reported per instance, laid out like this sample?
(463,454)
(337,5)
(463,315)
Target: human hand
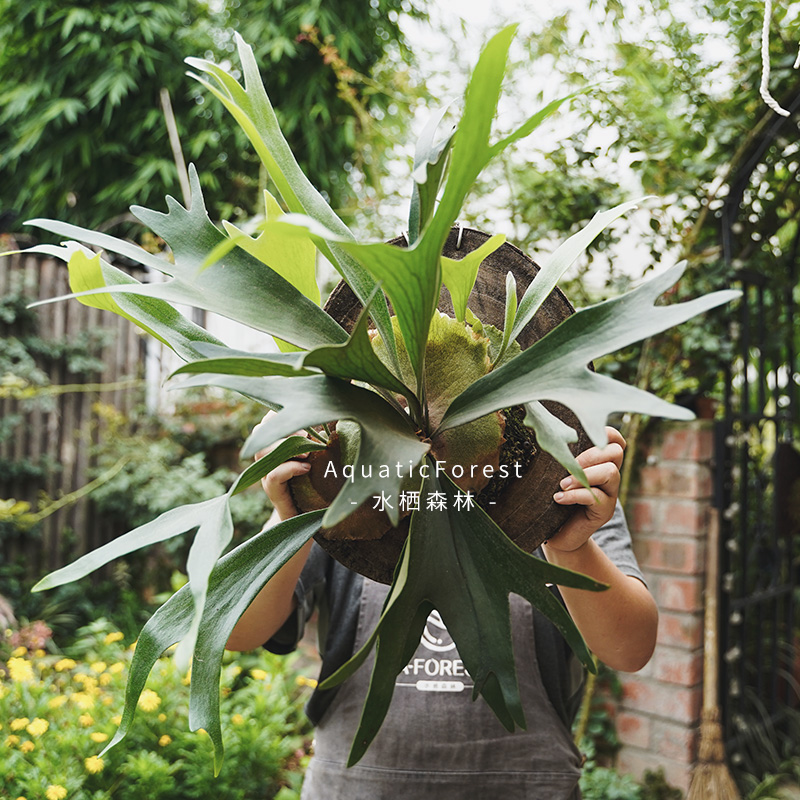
(602,468)
(276,482)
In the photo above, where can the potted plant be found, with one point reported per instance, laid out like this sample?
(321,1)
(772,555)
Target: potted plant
(432,397)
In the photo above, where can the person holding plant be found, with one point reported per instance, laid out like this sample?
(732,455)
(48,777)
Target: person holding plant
(435,742)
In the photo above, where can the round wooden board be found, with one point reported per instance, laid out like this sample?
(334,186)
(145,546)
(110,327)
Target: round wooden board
(525,510)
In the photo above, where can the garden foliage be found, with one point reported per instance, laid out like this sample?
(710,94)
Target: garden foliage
(58,711)
(82,130)
(382,379)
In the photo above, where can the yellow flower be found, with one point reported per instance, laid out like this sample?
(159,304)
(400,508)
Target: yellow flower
(162,717)
(237,719)
(55,792)
(39,653)
(38,727)
(86,720)
(64,664)
(164,740)
(98,737)
(27,746)
(93,764)
(108,700)
(106,678)
(88,682)
(19,651)
(20,670)
(83,700)
(235,670)
(115,668)
(19,724)
(58,701)
(301,680)
(12,740)
(149,700)
(132,647)
(116,636)
(117,720)
(259,674)
(21,798)
(98,667)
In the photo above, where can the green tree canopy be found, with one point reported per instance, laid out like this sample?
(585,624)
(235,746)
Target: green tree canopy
(677,98)
(82,130)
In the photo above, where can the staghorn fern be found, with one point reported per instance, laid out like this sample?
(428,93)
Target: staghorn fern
(413,388)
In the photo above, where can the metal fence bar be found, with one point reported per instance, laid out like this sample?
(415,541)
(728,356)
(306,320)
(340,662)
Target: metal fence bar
(759,549)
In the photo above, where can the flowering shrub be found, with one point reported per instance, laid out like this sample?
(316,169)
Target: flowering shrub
(57,712)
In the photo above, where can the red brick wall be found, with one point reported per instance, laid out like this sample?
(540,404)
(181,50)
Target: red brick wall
(668,513)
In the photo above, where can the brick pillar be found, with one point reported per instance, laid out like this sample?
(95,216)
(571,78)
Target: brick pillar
(668,512)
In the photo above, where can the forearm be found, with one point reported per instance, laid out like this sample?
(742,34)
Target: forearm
(271,607)
(618,624)
(276,601)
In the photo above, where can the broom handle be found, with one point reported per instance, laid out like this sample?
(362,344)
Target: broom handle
(711,655)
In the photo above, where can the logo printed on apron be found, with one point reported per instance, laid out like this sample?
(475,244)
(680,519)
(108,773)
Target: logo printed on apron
(436,666)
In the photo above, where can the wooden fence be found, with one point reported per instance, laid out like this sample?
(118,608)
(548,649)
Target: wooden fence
(65,433)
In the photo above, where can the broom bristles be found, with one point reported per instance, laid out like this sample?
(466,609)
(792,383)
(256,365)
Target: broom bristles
(711,779)
(712,782)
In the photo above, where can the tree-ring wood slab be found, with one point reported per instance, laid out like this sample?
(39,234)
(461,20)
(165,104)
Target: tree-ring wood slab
(525,508)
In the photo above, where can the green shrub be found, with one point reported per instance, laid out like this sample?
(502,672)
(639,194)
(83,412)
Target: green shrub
(603,783)
(57,712)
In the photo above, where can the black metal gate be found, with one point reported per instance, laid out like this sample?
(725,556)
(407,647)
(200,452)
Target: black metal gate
(759,493)
(758,496)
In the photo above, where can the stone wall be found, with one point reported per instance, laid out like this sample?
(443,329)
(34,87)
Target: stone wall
(669,509)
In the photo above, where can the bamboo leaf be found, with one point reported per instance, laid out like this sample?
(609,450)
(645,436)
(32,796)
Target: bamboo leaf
(554,368)
(482,567)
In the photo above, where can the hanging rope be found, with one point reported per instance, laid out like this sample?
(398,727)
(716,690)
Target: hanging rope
(763,90)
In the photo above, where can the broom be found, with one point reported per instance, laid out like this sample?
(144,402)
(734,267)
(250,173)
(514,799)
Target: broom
(711,779)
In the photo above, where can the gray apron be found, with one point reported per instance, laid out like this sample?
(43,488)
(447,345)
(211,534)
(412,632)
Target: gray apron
(436,744)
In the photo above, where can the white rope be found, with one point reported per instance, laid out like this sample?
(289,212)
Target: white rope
(763,90)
